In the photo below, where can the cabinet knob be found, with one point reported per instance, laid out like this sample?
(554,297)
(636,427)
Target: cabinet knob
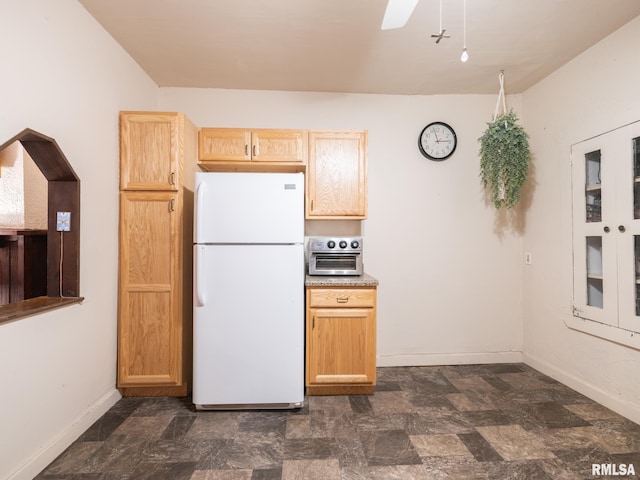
(606,229)
(621,228)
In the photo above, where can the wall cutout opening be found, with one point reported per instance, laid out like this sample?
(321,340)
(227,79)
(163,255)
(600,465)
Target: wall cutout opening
(40,258)
(23,226)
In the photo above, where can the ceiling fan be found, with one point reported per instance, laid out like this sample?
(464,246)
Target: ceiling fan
(397,13)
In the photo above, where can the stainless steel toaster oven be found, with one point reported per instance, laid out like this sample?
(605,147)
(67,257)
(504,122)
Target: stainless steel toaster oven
(335,256)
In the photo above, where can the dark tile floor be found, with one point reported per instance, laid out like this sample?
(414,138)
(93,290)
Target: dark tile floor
(503,421)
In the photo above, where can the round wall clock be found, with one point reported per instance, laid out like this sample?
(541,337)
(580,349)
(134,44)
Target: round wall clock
(437,141)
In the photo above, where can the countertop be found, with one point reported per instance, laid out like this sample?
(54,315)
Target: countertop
(363,280)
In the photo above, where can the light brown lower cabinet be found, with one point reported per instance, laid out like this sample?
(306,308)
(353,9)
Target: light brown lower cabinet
(150,326)
(340,341)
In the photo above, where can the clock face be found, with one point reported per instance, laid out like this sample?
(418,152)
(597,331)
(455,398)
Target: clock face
(437,141)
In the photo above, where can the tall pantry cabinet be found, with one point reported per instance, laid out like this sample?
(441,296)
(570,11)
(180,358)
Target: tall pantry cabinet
(156,205)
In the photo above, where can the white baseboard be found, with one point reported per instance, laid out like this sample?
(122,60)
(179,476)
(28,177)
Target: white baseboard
(48,453)
(625,408)
(430,359)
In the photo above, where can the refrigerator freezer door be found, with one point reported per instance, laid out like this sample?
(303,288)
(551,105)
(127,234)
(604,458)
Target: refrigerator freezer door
(248,326)
(249,208)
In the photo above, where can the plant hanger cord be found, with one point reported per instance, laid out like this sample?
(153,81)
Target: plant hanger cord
(501,96)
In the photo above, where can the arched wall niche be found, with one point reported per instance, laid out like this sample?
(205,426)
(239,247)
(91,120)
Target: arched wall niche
(63,248)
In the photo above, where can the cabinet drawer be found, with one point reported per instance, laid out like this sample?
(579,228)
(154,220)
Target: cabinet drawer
(342,297)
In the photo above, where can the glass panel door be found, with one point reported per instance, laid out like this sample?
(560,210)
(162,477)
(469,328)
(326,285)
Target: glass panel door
(594,247)
(636,215)
(593,207)
(626,225)
(628,229)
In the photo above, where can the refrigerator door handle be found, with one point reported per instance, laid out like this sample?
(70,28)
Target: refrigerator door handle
(201,298)
(199,207)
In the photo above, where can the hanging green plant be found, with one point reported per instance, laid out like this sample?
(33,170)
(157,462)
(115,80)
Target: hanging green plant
(504,155)
(504,159)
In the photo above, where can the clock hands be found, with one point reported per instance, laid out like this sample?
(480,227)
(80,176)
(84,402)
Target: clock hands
(435,132)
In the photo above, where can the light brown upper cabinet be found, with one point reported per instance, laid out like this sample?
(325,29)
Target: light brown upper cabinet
(150,146)
(337,175)
(255,148)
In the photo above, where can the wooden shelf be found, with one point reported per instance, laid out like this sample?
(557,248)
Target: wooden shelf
(12,232)
(32,306)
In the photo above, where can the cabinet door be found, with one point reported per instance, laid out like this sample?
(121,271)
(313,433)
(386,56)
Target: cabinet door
(150,151)
(627,228)
(341,347)
(279,146)
(336,175)
(595,265)
(225,144)
(606,228)
(149,324)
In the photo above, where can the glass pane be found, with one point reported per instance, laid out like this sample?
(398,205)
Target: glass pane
(593,187)
(636,177)
(595,285)
(636,256)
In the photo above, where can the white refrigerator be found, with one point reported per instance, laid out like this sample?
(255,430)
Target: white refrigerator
(248,323)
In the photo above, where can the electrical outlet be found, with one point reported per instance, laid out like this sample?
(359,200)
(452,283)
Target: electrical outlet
(528,258)
(63,222)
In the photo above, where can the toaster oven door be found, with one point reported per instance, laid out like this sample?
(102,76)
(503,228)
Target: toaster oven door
(335,264)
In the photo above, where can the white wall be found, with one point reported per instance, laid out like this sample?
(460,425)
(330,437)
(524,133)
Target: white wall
(23,203)
(450,280)
(12,186)
(596,92)
(35,195)
(63,76)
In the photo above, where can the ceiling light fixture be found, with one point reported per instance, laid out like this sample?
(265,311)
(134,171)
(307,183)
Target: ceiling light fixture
(465,56)
(441,35)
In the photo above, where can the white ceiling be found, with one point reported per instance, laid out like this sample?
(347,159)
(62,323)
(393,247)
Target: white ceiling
(338,46)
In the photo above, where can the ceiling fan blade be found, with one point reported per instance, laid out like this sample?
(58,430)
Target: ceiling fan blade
(397,13)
